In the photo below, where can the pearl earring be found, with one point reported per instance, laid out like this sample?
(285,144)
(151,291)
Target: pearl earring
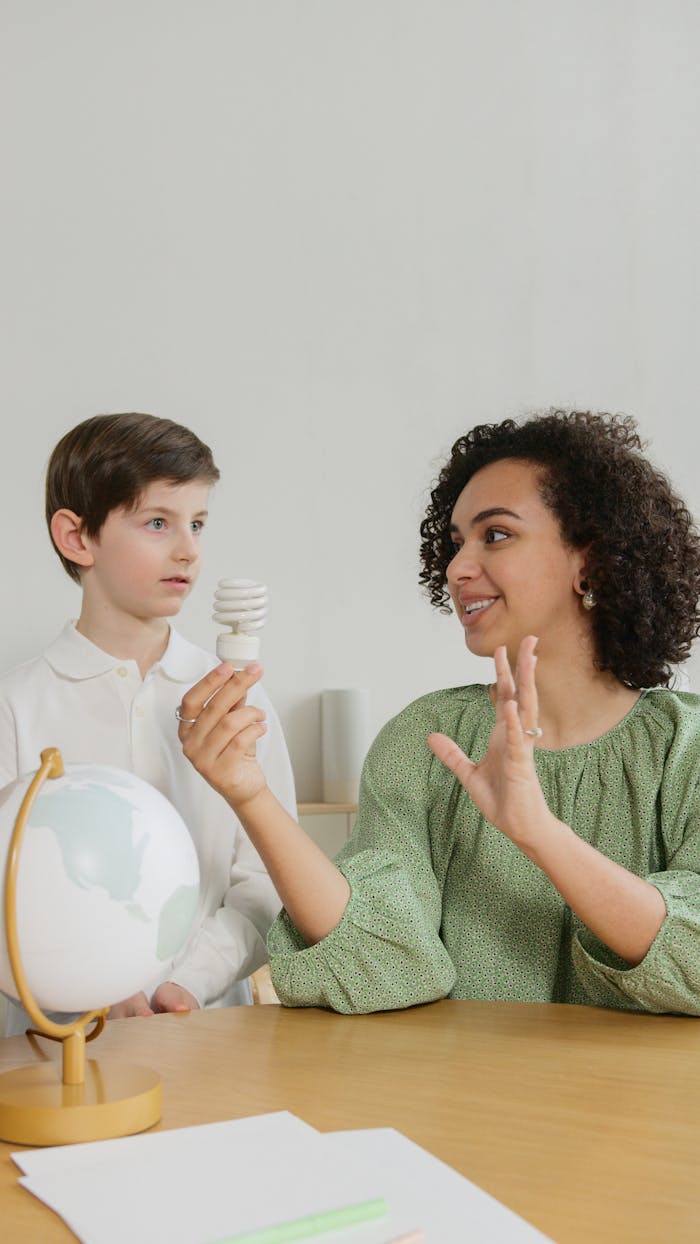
(589,600)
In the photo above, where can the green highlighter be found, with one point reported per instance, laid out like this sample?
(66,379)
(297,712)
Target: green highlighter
(313,1224)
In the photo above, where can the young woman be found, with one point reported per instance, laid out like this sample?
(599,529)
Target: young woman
(537,839)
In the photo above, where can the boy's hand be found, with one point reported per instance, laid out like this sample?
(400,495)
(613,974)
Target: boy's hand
(137,1004)
(171,997)
(220,731)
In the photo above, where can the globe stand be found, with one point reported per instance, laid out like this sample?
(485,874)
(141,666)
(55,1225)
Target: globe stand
(36,1107)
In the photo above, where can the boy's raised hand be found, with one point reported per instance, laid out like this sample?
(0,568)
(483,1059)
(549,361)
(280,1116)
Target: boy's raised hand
(218,732)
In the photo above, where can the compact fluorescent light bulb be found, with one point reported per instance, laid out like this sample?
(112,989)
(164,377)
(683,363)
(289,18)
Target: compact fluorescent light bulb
(241,605)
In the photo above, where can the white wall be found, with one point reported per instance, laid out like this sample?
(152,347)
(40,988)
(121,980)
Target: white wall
(331,235)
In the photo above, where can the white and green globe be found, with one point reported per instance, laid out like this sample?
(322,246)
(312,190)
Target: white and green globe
(107,887)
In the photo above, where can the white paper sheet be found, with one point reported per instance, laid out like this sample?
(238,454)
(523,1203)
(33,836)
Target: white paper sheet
(427,1194)
(200,1185)
(284,1126)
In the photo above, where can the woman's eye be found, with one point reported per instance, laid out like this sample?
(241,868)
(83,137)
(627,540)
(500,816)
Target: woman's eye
(494,535)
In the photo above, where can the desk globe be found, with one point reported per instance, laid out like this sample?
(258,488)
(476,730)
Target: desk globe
(101,887)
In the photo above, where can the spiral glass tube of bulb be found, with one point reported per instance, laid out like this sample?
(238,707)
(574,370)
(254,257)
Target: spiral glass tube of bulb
(241,605)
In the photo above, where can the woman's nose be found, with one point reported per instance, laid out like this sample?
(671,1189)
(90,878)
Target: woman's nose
(464,565)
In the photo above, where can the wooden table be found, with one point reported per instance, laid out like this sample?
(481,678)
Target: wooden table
(585,1121)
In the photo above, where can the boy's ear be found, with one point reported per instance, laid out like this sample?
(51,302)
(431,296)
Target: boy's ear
(67,535)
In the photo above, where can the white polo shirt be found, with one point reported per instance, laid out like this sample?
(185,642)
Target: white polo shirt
(98,710)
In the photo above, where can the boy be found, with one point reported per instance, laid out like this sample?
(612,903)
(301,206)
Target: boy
(126,502)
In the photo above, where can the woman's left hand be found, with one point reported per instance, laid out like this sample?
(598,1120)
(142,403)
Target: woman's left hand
(504,785)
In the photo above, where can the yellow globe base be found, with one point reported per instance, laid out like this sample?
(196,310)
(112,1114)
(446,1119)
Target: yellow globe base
(36,1108)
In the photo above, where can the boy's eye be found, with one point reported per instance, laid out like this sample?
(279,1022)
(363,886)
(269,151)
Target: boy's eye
(156,524)
(197,525)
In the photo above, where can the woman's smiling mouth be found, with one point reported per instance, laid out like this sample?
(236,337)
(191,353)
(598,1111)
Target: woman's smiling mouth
(474,609)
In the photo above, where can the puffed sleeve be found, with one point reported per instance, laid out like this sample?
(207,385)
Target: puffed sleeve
(386,953)
(668,977)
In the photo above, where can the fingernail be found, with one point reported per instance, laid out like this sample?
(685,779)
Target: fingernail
(255,668)
(224,669)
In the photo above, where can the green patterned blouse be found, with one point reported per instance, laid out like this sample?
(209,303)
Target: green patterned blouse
(443,904)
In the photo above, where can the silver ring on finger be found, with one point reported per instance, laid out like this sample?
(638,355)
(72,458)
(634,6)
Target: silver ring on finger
(186,721)
(534,734)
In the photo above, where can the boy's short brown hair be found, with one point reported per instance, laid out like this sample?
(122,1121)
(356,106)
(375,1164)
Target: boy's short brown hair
(106,462)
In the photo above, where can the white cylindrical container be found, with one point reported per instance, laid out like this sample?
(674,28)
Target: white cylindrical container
(344,742)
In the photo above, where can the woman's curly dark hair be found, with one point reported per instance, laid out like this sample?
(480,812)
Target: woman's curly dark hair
(643,561)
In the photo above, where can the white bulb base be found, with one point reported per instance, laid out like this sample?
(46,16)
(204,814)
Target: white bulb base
(239,650)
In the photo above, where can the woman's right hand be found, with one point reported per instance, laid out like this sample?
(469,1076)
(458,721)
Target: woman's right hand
(220,743)
(221,737)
